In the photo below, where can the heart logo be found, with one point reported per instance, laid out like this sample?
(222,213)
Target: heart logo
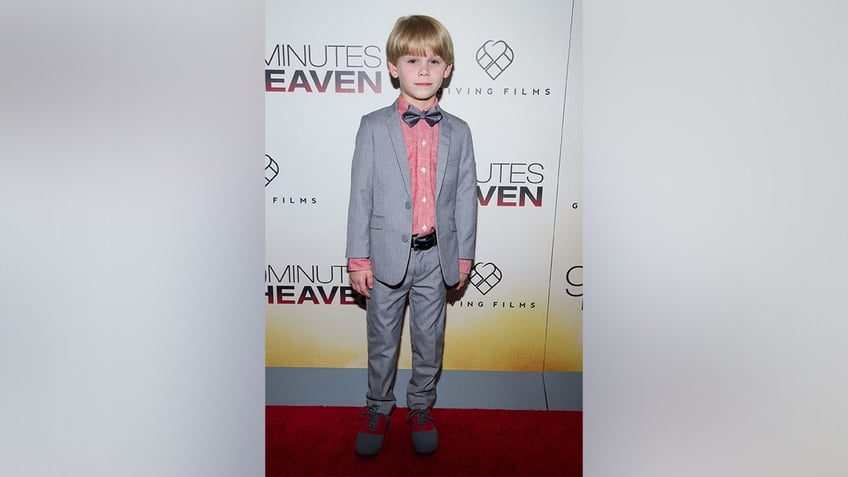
(495,57)
(271,169)
(485,277)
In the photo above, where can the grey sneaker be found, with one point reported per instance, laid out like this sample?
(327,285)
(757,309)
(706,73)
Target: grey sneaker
(425,437)
(370,438)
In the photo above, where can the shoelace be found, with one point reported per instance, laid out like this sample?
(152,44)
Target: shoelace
(373,418)
(423,416)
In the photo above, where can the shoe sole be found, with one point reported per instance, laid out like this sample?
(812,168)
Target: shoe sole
(424,452)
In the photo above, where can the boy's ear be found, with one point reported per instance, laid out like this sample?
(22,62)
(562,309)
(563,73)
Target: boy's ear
(448,70)
(392,69)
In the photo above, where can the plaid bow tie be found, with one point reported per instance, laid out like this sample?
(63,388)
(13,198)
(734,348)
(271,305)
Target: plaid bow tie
(413,115)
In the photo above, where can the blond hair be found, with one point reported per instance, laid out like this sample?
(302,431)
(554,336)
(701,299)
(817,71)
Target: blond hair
(415,35)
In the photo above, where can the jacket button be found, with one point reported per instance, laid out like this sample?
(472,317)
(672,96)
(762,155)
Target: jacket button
(408,205)
(404,238)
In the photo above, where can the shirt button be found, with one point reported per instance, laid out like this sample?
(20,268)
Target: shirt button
(423,227)
(424,142)
(423,169)
(423,199)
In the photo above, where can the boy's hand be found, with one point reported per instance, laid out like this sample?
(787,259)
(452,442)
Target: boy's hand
(463,280)
(362,281)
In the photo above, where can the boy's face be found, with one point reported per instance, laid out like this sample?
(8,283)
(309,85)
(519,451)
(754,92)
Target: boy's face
(420,77)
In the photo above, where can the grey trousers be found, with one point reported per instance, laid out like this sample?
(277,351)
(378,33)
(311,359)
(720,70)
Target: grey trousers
(426,290)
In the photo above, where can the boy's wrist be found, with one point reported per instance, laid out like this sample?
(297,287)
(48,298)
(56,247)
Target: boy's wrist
(465,265)
(358,264)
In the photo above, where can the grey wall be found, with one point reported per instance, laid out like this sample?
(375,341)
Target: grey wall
(131,229)
(456,389)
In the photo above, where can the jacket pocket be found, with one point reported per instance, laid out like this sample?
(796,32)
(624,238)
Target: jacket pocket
(377,222)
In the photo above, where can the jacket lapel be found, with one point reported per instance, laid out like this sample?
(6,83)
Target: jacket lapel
(396,135)
(444,148)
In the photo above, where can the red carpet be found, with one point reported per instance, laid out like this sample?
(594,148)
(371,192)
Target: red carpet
(318,441)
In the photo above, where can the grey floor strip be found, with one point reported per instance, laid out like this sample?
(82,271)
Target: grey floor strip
(564,391)
(457,389)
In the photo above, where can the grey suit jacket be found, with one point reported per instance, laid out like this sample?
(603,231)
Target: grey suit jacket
(379,222)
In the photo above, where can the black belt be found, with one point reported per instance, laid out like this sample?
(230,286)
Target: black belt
(423,242)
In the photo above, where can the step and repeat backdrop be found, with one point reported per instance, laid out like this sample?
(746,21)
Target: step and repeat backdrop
(516,82)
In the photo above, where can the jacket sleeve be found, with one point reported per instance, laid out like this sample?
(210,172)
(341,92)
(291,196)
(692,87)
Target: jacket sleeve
(361,194)
(466,199)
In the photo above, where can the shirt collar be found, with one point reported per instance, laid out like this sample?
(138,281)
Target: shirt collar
(403,104)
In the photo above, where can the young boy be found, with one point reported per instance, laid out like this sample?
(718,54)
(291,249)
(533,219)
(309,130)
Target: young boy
(411,230)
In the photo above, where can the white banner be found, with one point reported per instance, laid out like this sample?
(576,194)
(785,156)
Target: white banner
(323,72)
